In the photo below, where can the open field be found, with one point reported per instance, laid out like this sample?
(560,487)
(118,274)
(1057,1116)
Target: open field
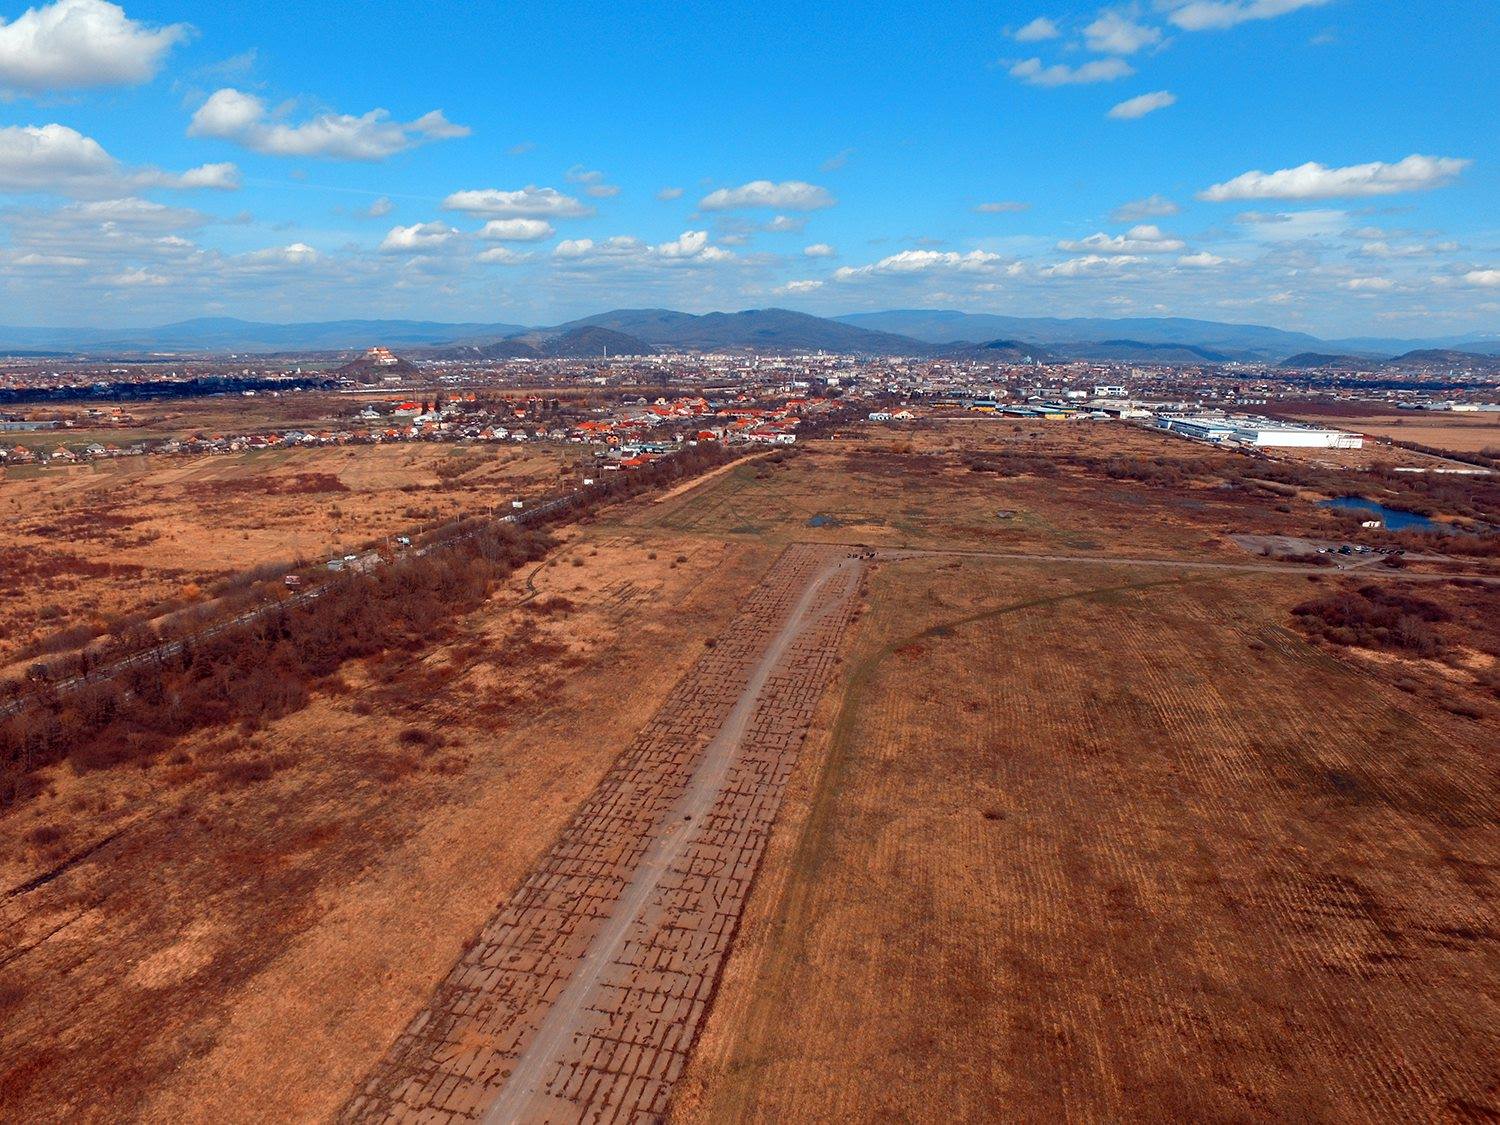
(1110,846)
(1112,839)
(250,920)
(1461,432)
(89,542)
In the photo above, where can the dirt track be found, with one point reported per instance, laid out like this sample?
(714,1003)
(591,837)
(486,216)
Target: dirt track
(583,997)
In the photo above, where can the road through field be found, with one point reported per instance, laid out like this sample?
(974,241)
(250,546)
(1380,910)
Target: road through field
(573,1011)
(583,996)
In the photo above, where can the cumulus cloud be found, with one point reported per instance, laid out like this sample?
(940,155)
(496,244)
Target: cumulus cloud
(60,160)
(1115,33)
(516,230)
(379,209)
(690,247)
(820,250)
(1142,104)
(789,195)
(1037,30)
(785,224)
(1152,207)
(667,194)
(837,160)
(1317,181)
(1033,73)
(592,181)
(1202,260)
(504,256)
(794,287)
(527,202)
(1001,207)
(1143,239)
(1089,264)
(922,261)
(244,119)
(420,238)
(72,44)
(1216,15)
(1486,279)
(1370,284)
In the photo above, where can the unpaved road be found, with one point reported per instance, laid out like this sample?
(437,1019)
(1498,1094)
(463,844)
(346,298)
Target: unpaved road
(524,1096)
(583,996)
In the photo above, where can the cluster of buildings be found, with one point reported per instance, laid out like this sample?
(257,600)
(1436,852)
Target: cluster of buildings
(1263,432)
(628,434)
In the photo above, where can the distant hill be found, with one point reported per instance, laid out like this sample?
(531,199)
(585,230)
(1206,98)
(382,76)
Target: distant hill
(915,332)
(1235,341)
(1307,361)
(1423,359)
(1005,351)
(587,341)
(375,366)
(764,329)
(228,334)
(1444,357)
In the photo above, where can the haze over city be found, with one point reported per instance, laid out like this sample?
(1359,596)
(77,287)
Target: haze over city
(1318,165)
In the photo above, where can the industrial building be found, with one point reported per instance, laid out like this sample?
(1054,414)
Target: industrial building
(1262,432)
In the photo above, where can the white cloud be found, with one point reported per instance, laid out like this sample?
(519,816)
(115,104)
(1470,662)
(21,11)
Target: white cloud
(421,238)
(1143,239)
(1090,263)
(1215,15)
(1037,30)
(72,44)
(837,160)
(516,230)
(922,261)
(1370,284)
(135,277)
(1142,104)
(1290,226)
(690,247)
(1317,181)
(59,160)
(297,254)
(1202,260)
(1380,248)
(593,182)
(527,202)
(1116,33)
(1032,72)
(1487,279)
(785,224)
(820,250)
(667,194)
(504,256)
(379,209)
(1001,207)
(1152,207)
(794,287)
(789,195)
(244,119)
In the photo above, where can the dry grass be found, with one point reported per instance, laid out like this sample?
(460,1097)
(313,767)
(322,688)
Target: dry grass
(98,541)
(1082,848)
(274,906)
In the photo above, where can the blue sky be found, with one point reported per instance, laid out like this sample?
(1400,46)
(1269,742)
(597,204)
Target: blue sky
(1328,165)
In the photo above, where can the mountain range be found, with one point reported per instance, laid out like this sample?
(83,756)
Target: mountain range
(916,332)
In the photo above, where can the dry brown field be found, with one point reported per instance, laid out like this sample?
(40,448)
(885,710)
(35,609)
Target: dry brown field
(1088,845)
(249,921)
(1461,432)
(1102,841)
(87,542)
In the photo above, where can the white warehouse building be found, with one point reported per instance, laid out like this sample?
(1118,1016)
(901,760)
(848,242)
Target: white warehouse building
(1262,432)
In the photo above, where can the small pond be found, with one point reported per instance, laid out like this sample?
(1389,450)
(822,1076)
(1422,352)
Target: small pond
(1394,519)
